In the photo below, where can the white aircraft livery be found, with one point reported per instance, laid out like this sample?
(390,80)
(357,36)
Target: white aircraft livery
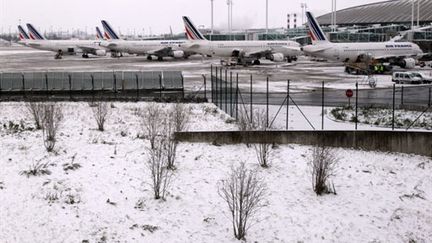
(245,52)
(403,54)
(62,47)
(157,48)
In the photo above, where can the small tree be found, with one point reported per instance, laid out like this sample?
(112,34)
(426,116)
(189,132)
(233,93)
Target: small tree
(151,119)
(180,115)
(244,193)
(244,123)
(52,116)
(36,111)
(323,166)
(263,150)
(100,113)
(158,167)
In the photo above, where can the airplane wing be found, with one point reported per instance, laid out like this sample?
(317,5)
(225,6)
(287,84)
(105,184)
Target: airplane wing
(88,48)
(161,52)
(258,53)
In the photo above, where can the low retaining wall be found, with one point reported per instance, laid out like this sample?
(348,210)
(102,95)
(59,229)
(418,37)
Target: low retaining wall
(419,143)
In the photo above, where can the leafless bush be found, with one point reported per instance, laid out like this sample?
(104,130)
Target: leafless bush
(158,166)
(244,122)
(52,116)
(151,119)
(100,113)
(323,166)
(263,150)
(37,169)
(36,111)
(244,193)
(180,114)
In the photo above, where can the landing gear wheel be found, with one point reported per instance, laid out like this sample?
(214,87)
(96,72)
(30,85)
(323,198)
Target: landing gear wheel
(257,62)
(160,59)
(149,58)
(85,55)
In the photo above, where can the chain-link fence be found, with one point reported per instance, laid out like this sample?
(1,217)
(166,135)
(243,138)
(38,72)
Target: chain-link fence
(127,83)
(354,105)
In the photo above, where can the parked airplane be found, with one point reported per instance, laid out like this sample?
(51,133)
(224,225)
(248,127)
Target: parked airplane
(243,52)
(23,37)
(157,48)
(403,54)
(62,47)
(99,35)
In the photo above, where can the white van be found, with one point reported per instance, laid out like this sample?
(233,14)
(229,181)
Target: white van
(406,78)
(426,79)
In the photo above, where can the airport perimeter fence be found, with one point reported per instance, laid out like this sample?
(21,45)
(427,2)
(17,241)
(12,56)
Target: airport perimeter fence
(239,101)
(79,85)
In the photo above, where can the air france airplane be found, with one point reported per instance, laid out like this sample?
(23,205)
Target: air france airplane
(63,47)
(23,37)
(157,48)
(244,52)
(403,54)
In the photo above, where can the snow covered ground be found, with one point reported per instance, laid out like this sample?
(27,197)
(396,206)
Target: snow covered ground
(380,197)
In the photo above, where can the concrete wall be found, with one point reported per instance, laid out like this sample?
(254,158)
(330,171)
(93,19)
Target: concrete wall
(419,143)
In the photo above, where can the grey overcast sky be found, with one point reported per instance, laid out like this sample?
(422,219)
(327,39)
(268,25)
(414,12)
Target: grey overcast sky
(157,15)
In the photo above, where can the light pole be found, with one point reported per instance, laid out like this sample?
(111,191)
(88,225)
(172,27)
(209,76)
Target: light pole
(267,8)
(412,14)
(212,23)
(418,13)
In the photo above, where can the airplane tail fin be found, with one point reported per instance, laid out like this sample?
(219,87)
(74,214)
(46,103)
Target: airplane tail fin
(22,34)
(99,35)
(110,34)
(192,32)
(315,32)
(34,34)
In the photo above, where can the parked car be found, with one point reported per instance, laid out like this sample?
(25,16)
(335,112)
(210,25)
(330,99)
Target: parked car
(426,79)
(406,78)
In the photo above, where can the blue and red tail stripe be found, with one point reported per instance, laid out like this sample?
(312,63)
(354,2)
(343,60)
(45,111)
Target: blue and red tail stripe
(22,34)
(109,32)
(191,31)
(34,34)
(315,32)
(99,33)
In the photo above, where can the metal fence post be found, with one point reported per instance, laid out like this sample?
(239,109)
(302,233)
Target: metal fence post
(205,87)
(251,100)
(322,106)
(394,100)
(430,96)
(267,103)
(216,87)
(160,85)
(137,85)
(221,89)
(70,85)
(236,96)
(115,83)
(226,90)
(402,95)
(23,84)
(231,98)
(356,111)
(288,104)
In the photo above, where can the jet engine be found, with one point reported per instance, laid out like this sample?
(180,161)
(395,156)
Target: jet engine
(408,63)
(277,57)
(178,54)
(101,53)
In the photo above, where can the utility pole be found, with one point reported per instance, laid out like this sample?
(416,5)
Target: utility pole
(267,31)
(212,21)
(412,14)
(418,13)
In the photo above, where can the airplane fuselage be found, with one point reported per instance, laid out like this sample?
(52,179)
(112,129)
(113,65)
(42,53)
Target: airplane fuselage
(67,47)
(230,48)
(350,52)
(144,47)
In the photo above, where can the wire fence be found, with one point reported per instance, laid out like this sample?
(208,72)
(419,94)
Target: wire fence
(235,101)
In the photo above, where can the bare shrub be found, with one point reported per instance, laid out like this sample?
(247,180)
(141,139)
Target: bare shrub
(52,116)
(36,169)
(36,111)
(263,150)
(151,119)
(100,113)
(323,166)
(158,166)
(244,193)
(180,115)
(244,122)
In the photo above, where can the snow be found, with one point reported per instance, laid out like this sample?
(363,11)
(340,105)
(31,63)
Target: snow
(381,197)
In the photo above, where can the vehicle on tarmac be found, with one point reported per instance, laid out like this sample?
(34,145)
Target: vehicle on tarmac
(403,54)
(240,52)
(151,48)
(406,78)
(61,47)
(426,79)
